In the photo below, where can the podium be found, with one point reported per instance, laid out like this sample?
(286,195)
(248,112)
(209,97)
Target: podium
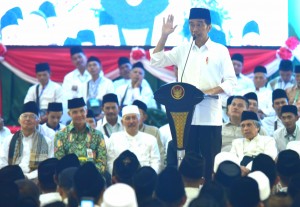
(180,100)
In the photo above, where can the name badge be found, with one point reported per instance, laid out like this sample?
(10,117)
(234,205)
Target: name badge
(89,153)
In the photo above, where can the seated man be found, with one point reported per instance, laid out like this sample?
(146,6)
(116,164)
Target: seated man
(54,113)
(79,138)
(27,147)
(290,131)
(111,122)
(252,144)
(272,123)
(143,145)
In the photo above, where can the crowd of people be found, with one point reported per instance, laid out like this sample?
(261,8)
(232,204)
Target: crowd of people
(87,141)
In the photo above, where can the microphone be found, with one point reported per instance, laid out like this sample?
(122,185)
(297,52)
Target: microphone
(194,38)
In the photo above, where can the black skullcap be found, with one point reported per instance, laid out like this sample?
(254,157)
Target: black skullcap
(69,160)
(86,36)
(48,9)
(88,182)
(18,12)
(249,115)
(76,103)
(110,97)
(93,58)
(227,173)
(31,107)
(40,67)
(265,164)
(192,166)
(289,109)
(66,177)
(90,114)
(55,106)
(251,96)
(297,69)
(244,192)
(138,65)
(200,13)
(46,170)
(11,173)
(260,69)
(249,27)
(144,181)
(170,187)
(123,60)
(125,166)
(238,57)
(9,18)
(75,50)
(229,100)
(287,162)
(278,93)
(140,105)
(286,65)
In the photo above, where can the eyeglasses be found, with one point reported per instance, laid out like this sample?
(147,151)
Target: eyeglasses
(28,116)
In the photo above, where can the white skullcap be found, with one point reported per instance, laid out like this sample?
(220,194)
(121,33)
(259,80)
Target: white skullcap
(294,145)
(130,109)
(263,184)
(225,156)
(119,195)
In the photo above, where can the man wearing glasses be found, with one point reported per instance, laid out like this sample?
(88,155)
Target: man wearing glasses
(27,147)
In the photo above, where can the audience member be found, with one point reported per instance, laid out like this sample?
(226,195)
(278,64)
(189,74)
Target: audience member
(263,185)
(29,193)
(11,173)
(293,92)
(91,119)
(9,194)
(65,183)
(4,131)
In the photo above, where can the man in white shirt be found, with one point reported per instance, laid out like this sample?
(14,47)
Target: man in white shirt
(74,80)
(252,144)
(54,114)
(111,122)
(27,147)
(272,123)
(290,131)
(97,87)
(244,84)
(143,145)
(45,91)
(209,68)
(264,94)
(4,131)
(135,90)
(285,78)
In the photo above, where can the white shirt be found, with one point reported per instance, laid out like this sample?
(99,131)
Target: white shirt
(51,93)
(191,194)
(264,96)
(282,138)
(207,67)
(48,198)
(165,135)
(143,145)
(49,132)
(107,129)
(269,124)
(244,85)
(105,86)
(123,81)
(25,158)
(144,94)
(5,132)
(260,144)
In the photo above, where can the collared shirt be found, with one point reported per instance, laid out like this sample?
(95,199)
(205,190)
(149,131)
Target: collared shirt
(264,96)
(282,137)
(51,93)
(270,123)
(279,83)
(143,145)
(25,158)
(88,145)
(129,94)
(231,132)
(260,144)
(207,67)
(107,129)
(49,132)
(244,85)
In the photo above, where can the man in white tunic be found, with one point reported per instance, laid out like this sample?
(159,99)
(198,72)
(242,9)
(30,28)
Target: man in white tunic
(252,144)
(45,91)
(143,145)
(27,147)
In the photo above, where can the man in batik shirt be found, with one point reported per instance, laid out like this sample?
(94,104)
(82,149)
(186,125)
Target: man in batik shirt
(79,138)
